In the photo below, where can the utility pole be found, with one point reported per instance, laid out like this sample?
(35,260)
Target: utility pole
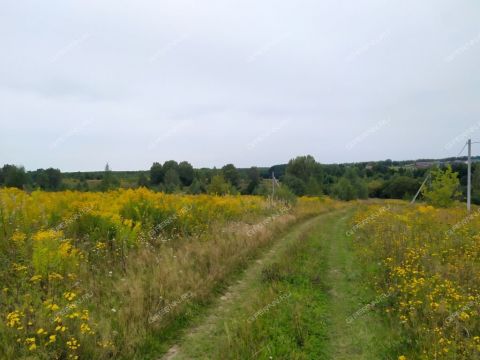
(469,185)
(273,186)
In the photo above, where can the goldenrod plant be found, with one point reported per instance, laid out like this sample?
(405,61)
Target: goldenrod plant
(427,260)
(83,273)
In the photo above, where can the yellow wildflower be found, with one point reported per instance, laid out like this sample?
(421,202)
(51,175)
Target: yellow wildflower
(19,267)
(13,318)
(43,235)
(100,245)
(18,237)
(70,296)
(55,276)
(84,329)
(73,344)
(31,343)
(53,307)
(65,249)
(36,278)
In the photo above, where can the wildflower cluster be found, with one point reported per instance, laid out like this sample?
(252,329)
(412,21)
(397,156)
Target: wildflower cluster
(428,264)
(69,260)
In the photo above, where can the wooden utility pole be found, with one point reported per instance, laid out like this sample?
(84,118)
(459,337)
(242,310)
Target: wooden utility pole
(273,185)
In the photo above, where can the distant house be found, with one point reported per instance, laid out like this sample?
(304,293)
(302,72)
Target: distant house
(424,164)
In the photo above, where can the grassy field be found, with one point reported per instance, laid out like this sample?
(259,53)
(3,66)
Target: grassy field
(99,275)
(377,280)
(426,262)
(295,304)
(134,274)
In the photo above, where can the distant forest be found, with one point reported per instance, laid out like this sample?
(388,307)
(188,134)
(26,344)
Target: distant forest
(302,176)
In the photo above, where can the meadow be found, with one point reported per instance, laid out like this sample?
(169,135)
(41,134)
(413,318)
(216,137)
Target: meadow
(424,263)
(123,274)
(117,274)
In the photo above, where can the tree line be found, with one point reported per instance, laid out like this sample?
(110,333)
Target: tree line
(382,179)
(301,176)
(16,176)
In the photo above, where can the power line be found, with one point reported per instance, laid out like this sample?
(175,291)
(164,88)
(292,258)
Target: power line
(461,151)
(464,146)
(469,176)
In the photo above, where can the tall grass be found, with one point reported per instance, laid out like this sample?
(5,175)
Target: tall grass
(427,261)
(95,275)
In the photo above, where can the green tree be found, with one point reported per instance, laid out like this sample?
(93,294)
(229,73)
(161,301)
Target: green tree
(197,187)
(40,179)
(142,180)
(278,170)
(400,187)
(359,185)
(156,173)
(304,176)
(313,188)
(54,179)
(172,180)
(476,183)
(186,173)
(375,188)
(283,193)
(230,173)
(219,186)
(443,188)
(254,180)
(344,190)
(170,165)
(109,181)
(14,176)
(296,184)
(304,167)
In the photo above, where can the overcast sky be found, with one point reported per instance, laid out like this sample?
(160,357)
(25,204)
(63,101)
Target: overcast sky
(247,82)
